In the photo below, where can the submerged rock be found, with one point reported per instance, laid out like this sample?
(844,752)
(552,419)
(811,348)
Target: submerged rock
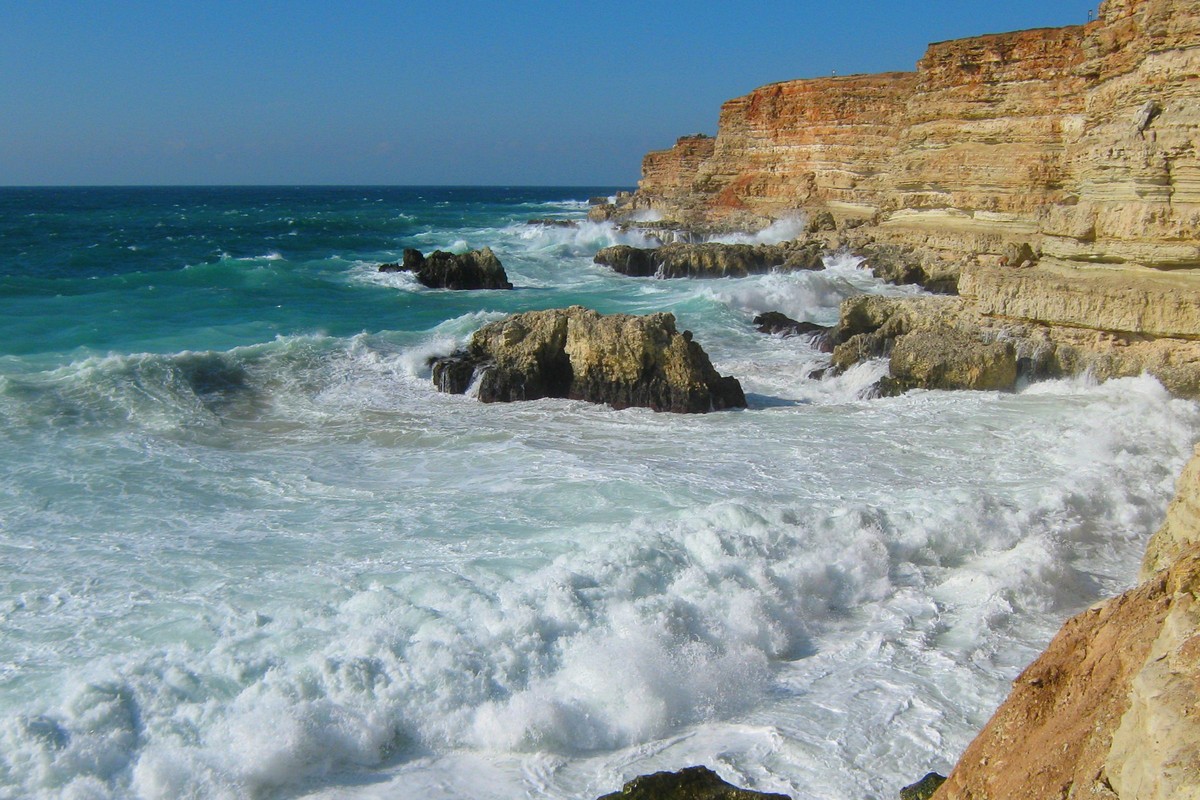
(692,783)
(711,259)
(477,269)
(577,353)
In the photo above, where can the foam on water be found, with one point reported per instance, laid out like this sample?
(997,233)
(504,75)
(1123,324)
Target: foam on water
(289,567)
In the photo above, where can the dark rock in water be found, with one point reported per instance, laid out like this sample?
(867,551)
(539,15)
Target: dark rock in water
(692,783)
(773,322)
(477,269)
(924,788)
(553,223)
(576,353)
(597,201)
(711,259)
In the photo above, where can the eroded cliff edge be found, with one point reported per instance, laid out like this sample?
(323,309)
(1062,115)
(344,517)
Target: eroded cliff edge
(1052,177)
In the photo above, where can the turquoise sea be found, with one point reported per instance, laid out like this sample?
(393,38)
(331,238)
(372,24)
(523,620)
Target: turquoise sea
(248,551)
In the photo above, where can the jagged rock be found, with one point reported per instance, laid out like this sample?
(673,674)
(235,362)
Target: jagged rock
(924,788)
(950,359)
(553,223)
(477,269)
(776,323)
(934,342)
(1018,255)
(597,200)
(822,221)
(576,353)
(692,783)
(710,259)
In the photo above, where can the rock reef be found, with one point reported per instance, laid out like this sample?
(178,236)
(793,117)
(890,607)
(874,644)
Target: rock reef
(710,259)
(477,269)
(577,353)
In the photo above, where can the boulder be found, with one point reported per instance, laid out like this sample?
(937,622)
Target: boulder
(934,343)
(924,788)
(711,259)
(553,223)
(950,359)
(692,783)
(477,269)
(774,322)
(577,353)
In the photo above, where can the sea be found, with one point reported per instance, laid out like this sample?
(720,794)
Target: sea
(248,551)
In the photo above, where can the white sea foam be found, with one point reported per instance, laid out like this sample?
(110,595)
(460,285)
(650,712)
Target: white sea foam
(657,610)
(783,229)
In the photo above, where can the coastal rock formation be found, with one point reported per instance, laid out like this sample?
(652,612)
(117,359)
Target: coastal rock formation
(692,783)
(933,343)
(1078,141)
(477,269)
(779,324)
(576,353)
(1108,710)
(710,259)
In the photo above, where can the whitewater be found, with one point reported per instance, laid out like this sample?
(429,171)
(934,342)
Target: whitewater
(248,551)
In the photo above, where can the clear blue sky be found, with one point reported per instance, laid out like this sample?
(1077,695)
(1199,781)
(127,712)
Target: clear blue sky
(450,92)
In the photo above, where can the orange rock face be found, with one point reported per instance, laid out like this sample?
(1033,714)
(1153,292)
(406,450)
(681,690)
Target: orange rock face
(1080,140)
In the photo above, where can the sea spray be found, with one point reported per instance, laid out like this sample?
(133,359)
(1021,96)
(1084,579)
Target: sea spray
(248,550)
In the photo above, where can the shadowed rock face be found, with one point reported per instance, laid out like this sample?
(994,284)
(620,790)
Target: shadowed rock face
(710,259)
(478,269)
(576,353)
(693,783)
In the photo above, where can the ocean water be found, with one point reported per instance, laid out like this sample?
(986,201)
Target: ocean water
(247,551)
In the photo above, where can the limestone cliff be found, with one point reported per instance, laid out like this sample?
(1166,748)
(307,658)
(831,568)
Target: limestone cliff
(1080,140)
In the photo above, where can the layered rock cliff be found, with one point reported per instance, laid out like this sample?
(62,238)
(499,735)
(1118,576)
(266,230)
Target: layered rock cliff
(1079,140)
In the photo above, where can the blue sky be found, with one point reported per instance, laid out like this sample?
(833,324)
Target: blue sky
(450,92)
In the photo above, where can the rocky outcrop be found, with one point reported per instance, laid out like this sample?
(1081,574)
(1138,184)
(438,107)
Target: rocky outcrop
(779,324)
(1078,141)
(692,783)
(1108,710)
(711,259)
(477,269)
(576,353)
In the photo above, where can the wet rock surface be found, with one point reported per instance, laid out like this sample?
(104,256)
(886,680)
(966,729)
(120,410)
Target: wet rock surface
(692,783)
(711,259)
(477,269)
(576,353)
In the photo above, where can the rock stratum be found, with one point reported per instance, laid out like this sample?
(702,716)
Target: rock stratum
(1051,180)
(576,353)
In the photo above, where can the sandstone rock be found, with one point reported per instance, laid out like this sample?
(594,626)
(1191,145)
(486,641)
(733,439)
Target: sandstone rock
(924,788)
(478,269)
(1104,711)
(711,259)
(576,353)
(692,783)
(950,359)
(1181,529)
(1079,141)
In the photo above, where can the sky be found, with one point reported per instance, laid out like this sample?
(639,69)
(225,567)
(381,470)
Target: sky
(412,92)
